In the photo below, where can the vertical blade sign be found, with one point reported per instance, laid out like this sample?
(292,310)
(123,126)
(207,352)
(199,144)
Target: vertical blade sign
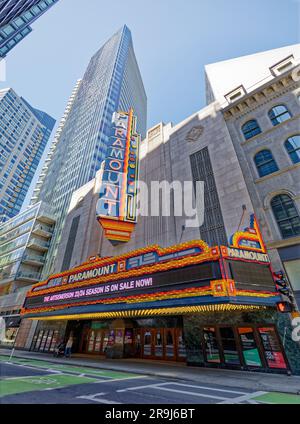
(117,205)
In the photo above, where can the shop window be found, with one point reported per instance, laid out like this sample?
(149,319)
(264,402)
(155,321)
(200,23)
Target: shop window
(211,347)
(231,354)
(286,215)
(272,350)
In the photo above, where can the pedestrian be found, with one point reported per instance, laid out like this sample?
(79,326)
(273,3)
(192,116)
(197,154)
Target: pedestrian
(69,347)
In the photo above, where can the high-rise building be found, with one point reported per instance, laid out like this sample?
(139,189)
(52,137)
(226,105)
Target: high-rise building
(112,82)
(16,16)
(24,133)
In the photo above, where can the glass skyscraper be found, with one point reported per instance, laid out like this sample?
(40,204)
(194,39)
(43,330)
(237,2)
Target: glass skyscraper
(15,19)
(112,82)
(24,133)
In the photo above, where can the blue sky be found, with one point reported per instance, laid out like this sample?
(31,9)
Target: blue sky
(173,41)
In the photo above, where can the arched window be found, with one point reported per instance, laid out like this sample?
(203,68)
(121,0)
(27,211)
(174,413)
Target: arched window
(292,145)
(265,163)
(250,129)
(279,114)
(286,215)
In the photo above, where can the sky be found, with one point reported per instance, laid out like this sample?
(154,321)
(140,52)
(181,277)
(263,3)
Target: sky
(173,40)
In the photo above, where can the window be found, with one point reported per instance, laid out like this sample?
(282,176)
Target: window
(286,215)
(292,146)
(251,129)
(265,163)
(279,114)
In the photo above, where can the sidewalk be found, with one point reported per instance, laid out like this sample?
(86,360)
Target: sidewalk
(238,379)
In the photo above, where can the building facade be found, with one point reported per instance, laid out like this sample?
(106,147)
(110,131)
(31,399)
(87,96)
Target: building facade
(263,120)
(202,294)
(24,133)
(111,82)
(24,242)
(162,295)
(16,16)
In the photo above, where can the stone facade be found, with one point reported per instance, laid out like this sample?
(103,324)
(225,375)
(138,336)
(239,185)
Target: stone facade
(282,90)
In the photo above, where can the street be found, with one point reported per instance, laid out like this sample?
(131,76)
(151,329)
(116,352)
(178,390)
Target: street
(29,381)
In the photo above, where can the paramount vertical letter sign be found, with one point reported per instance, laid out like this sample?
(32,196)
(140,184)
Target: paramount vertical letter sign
(117,206)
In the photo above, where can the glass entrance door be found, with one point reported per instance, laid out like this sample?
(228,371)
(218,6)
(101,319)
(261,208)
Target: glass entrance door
(147,343)
(170,344)
(180,345)
(158,344)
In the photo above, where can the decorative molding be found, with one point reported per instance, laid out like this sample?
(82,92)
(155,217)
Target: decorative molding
(261,96)
(194,134)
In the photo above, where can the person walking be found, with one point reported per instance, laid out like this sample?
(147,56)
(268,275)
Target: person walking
(69,347)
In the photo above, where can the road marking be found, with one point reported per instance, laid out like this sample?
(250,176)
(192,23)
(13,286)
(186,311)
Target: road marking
(120,379)
(206,388)
(244,398)
(191,393)
(137,388)
(93,398)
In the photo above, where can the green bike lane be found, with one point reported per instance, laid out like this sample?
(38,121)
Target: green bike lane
(53,376)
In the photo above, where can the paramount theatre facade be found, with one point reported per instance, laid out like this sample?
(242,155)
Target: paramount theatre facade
(151,287)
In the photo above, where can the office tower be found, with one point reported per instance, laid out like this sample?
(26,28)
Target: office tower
(112,82)
(24,133)
(16,16)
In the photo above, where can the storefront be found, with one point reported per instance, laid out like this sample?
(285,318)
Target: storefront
(191,303)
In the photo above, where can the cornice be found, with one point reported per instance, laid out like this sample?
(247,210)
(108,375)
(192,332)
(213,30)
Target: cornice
(260,97)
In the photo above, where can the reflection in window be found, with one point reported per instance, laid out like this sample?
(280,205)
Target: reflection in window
(251,129)
(231,354)
(279,114)
(286,215)
(292,146)
(265,163)
(211,345)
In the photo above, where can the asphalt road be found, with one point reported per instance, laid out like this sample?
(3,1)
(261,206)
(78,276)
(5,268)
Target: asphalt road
(25,381)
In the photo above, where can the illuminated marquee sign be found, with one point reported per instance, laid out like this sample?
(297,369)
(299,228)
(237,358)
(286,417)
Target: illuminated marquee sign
(117,205)
(250,238)
(247,255)
(152,256)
